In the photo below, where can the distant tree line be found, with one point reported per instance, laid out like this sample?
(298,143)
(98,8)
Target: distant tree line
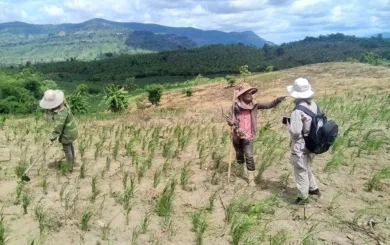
(225,59)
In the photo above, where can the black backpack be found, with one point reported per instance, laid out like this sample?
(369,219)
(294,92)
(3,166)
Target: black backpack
(322,134)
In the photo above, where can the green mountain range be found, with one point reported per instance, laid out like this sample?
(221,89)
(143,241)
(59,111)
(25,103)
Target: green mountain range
(98,38)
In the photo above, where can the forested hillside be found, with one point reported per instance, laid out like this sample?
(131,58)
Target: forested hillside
(217,59)
(94,39)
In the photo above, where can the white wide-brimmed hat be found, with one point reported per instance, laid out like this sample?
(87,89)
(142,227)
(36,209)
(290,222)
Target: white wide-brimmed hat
(301,89)
(52,99)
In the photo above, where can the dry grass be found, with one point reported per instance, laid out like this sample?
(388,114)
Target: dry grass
(155,176)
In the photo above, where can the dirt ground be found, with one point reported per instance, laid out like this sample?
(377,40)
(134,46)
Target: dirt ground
(185,140)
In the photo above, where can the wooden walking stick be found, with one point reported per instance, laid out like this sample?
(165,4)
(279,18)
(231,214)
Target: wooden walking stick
(231,139)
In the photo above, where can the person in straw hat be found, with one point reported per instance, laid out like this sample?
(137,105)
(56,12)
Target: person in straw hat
(242,116)
(299,127)
(65,129)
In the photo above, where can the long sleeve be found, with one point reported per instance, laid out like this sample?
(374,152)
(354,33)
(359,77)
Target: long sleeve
(230,118)
(269,105)
(296,125)
(59,123)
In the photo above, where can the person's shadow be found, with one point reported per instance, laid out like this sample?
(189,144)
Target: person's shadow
(54,164)
(287,193)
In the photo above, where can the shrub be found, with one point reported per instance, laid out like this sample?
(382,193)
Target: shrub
(115,97)
(82,89)
(78,102)
(231,80)
(352,60)
(269,68)
(47,84)
(154,93)
(189,92)
(141,102)
(372,58)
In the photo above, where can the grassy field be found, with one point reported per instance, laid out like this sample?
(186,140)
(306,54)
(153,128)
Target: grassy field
(159,176)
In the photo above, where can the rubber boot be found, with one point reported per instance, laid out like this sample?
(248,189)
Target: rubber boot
(251,179)
(244,172)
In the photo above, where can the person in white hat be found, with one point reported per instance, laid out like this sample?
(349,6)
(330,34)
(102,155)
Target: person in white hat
(65,129)
(299,127)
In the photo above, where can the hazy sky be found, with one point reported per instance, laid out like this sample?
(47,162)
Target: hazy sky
(275,20)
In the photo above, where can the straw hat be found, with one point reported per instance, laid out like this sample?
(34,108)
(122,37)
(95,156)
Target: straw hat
(52,99)
(244,88)
(301,89)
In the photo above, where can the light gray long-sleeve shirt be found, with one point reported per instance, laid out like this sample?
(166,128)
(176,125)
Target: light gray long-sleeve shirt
(300,127)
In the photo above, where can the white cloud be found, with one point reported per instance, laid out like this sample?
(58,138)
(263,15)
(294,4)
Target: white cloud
(82,5)
(52,10)
(277,20)
(10,12)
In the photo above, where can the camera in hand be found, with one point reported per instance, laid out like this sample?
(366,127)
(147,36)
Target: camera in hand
(285,120)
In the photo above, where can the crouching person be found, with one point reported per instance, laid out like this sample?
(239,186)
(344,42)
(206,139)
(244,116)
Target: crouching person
(242,116)
(65,129)
(299,127)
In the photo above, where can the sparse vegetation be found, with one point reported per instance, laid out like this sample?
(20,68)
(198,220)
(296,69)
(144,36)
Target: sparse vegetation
(240,226)
(145,223)
(85,218)
(374,181)
(199,226)
(95,188)
(26,200)
(131,164)
(3,233)
(184,176)
(163,206)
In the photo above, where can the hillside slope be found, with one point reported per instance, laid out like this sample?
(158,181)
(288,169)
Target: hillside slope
(21,42)
(337,78)
(159,176)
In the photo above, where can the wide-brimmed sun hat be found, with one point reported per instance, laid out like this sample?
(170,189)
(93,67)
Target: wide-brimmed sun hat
(301,89)
(52,99)
(245,88)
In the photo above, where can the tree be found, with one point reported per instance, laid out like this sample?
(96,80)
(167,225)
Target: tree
(115,97)
(245,72)
(34,87)
(279,51)
(155,91)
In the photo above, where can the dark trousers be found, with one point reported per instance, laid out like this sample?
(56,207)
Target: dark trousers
(244,153)
(69,153)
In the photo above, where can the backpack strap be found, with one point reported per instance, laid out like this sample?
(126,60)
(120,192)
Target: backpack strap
(306,110)
(318,109)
